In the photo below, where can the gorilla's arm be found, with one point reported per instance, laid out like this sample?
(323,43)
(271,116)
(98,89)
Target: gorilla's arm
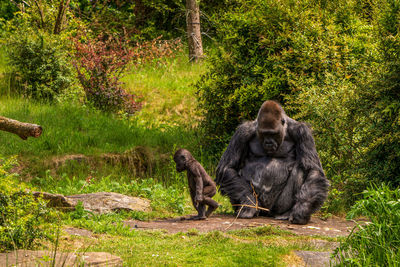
(231,184)
(198,180)
(314,188)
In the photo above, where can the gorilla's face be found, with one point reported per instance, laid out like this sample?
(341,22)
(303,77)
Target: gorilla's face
(180,163)
(270,138)
(181,157)
(270,126)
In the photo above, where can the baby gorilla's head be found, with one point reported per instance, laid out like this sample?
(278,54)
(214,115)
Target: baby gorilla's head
(181,158)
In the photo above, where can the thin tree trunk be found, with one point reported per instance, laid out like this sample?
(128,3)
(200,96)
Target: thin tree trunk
(193,30)
(40,10)
(60,16)
(23,130)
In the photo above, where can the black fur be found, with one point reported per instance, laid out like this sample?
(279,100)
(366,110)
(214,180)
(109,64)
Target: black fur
(289,181)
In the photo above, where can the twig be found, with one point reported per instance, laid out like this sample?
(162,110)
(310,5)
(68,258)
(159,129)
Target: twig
(255,205)
(249,206)
(234,219)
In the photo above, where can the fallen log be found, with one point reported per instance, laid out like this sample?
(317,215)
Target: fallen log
(22,129)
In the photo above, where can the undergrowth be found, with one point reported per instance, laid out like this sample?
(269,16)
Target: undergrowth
(24,219)
(377,242)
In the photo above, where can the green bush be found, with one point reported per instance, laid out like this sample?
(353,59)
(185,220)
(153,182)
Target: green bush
(376,243)
(21,215)
(381,98)
(242,71)
(334,65)
(40,66)
(265,47)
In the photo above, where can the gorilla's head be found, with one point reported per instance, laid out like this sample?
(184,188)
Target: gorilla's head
(181,158)
(271,128)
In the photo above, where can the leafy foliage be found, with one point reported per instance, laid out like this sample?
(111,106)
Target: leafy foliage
(99,65)
(100,62)
(21,215)
(7,9)
(40,65)
(136,20)
(266,46)
(375,243)
(381,98)
(332,65)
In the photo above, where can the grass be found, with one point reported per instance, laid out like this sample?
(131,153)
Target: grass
(167,90)
(259,246)
(71,129)
(214,249)
(378,242)
(161,126)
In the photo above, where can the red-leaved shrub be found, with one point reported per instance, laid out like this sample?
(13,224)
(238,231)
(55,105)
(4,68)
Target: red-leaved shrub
(100,62)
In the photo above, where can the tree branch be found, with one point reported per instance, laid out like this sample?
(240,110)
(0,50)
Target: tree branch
(22,129)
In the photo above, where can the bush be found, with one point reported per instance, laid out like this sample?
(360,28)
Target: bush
(265,47)
(243,72)
(21,215)
(335,66)
(40,65)
(99,65)
(381,98)
(376,243)
(100,62)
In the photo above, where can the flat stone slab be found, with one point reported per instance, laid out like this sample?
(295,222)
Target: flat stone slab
(314,258)
(101,202)
(78,231)
(24,258)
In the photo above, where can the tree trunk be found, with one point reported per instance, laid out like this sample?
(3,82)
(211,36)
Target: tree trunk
(60,16)
(193,30)
(23,130)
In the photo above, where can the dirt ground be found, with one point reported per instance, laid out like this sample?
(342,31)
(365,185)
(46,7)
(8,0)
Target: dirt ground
(331,227)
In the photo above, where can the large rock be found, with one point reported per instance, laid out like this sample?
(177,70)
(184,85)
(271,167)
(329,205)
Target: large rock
(46,258)
(101,202)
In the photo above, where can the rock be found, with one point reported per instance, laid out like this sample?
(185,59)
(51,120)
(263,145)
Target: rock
(78,231)
(45,258)
(55,200)
(101,202)
(314,258)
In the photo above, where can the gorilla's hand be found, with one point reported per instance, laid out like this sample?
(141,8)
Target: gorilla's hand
(298,215)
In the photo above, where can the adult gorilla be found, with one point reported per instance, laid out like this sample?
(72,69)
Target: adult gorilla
(276,155)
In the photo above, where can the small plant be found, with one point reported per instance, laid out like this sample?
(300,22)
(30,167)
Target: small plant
(376,243)
(21,215)
(99,64)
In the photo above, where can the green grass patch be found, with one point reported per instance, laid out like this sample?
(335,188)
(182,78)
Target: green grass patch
(166,87)
(376,243)
(155,248)
(266,246)
(69,129)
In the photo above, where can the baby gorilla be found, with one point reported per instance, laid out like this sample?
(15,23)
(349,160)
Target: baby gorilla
(202,187)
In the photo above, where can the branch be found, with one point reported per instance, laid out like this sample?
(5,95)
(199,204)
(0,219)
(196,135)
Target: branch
(22,129)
